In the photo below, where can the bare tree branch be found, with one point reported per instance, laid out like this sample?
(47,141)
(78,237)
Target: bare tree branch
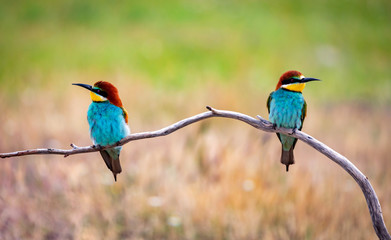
(260,123)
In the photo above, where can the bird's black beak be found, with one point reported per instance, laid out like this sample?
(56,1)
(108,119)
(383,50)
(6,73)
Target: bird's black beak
(304,80)
(86,86)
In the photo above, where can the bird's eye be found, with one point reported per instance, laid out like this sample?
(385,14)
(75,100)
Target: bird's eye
(100,92)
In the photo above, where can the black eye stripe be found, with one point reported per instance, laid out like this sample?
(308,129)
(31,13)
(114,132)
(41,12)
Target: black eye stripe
(101,92)
(289,80)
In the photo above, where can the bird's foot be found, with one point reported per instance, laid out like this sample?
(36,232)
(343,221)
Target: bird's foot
(274,126)
(97,146)
(293,131)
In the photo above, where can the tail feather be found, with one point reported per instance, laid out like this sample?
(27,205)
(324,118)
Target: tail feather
(287,158)
(106,157)
(111,159)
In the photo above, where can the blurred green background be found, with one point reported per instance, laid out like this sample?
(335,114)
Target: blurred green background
(182,44)
(218,179)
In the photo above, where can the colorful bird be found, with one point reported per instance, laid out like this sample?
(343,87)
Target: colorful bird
(287,108)
(108,121)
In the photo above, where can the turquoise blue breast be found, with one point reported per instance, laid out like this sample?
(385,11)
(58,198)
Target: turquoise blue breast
(286,108)
(107,123)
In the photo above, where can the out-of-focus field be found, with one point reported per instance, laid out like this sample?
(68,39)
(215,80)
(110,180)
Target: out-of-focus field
(216,179)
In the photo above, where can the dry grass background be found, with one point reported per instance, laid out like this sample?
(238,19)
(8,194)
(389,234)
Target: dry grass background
(217,179)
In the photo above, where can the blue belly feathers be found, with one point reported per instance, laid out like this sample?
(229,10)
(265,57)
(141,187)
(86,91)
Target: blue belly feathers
(107,123)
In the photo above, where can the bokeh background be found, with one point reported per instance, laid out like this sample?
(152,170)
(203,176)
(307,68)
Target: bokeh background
(216,179)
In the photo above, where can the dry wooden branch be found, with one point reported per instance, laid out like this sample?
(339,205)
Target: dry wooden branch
(260,123)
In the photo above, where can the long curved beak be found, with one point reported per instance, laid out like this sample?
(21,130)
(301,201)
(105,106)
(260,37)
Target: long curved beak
(86,86)
(309,79)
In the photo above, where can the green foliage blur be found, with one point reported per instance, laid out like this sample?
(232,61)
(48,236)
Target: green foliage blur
(178,44)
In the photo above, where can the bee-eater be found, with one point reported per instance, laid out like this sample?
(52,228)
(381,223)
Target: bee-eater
(108,121)
(287,108)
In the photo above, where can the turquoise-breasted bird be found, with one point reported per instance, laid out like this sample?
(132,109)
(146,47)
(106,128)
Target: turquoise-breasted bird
(108,121)
(287,108)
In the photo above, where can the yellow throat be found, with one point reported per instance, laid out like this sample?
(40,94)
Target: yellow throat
(97,98)
(296,87)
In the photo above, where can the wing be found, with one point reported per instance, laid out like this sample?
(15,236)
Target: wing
(303,115)
(268,102)
(125,114)
(269,99)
